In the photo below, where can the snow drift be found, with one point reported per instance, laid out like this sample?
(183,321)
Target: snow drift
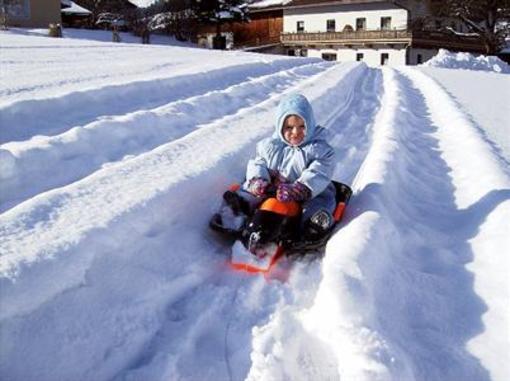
(461,60)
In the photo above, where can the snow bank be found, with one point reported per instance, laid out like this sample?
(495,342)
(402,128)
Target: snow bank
(481,190)
(341,314)
(450,60)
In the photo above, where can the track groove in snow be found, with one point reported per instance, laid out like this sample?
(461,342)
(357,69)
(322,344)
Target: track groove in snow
(82,150)
(56,114)
(345,119)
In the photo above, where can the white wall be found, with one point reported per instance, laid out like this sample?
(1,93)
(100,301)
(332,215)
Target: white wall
(315,18)
(372,57)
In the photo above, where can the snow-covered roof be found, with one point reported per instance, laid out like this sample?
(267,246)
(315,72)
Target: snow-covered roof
(76,9)
(311,3)
(269,3)
(142,3)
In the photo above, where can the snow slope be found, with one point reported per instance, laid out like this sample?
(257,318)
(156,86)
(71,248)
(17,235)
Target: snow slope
(109,272)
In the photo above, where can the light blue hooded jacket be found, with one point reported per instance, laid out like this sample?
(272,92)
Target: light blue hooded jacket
(311,163)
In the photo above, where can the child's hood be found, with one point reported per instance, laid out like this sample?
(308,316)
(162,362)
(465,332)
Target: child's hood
(295,104)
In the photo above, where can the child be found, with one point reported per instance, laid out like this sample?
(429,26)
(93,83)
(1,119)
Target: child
(297,162)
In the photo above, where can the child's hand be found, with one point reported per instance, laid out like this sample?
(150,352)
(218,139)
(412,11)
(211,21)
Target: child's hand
(258,186)
(292,192)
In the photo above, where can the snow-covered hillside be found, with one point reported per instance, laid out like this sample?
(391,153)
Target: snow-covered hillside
(114,156)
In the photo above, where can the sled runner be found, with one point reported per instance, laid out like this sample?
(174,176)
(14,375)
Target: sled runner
(274,230)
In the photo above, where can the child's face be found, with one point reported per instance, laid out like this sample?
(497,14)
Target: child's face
(294,129)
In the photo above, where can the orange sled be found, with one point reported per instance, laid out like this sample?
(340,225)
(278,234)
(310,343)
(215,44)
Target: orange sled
(273,231)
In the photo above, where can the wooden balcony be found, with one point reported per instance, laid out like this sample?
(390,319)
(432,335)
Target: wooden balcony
(431,40)
(348,38)
(421,39)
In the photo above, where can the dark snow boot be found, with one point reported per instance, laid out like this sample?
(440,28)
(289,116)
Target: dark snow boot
(232,215)
(236,203)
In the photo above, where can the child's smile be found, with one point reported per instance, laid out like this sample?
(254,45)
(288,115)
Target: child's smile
(294,130)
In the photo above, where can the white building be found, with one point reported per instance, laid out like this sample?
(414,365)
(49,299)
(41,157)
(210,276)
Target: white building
(378,32)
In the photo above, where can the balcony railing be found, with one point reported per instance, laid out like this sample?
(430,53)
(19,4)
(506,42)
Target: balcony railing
(346,37)
(447,40)
(426,39)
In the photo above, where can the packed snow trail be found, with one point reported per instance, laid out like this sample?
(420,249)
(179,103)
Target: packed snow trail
(485,110)
(244,302)
(397,300)
(82,150)
(154,234)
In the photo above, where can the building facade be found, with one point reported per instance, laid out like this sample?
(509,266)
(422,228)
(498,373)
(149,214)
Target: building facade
(262,33)
(31,13)
(377,32)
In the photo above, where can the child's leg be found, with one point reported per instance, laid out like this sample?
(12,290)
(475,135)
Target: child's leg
(242,200)
(236,207)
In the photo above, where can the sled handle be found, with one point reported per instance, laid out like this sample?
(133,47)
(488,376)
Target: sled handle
(339,211)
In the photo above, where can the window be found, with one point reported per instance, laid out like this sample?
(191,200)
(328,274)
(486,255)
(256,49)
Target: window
(361,23)
(359,56)
(300,26)
(419,59)
(385,57)
(385,23)
(330,25)
(329,56)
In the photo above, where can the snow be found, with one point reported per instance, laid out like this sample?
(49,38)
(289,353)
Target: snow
(76,9)
(268,3)
(461,60)
(479,103)
(142,3)
(112,161)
